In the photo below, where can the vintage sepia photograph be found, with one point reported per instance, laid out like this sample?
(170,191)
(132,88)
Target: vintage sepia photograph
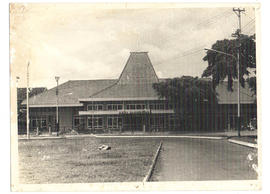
(134,96)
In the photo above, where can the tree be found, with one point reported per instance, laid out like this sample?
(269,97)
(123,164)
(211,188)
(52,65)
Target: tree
(221,66)
(193,99)
(252,84)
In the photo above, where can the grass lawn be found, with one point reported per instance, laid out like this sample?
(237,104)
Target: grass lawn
(78,160)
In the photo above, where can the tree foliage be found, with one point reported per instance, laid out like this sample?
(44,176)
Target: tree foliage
(252,84)
(191,97)
(221,66)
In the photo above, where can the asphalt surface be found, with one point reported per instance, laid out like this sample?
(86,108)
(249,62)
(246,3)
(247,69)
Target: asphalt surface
(202,160)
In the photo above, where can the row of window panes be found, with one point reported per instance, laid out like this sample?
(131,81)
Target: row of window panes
(114,122)
(135,106)
(151,106)
(95,107)
(160,106)
(114,106)
(38,122)
(94,122)
(130,107)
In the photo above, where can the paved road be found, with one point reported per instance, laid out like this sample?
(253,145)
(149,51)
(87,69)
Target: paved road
(201,159)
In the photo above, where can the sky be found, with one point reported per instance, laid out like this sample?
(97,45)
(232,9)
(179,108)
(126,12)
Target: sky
(86,41)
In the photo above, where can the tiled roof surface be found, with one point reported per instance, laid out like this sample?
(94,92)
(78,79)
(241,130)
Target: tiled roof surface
(21,92)
(70,92)
(127,91)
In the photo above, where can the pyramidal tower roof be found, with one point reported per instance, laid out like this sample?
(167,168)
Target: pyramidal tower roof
(138,70)
(135,81)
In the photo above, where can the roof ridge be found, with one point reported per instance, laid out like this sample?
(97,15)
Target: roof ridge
(124,68)
(152,66)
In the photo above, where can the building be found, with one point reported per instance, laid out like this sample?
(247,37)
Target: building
(21,96)
(128,103)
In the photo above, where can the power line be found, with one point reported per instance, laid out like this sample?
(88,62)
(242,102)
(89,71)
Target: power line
(192,53)
(193,49)
(207,21)
(251,29)
(197,50)
(247,15)
(210,20)
(249,23)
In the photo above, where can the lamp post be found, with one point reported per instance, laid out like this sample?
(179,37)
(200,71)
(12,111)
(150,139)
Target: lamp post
(27,103)
(57,115)
(18,104)
(238,87)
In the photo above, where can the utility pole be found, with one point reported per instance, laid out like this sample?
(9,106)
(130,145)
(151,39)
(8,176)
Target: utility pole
(237,34)
(27,101)
(57,113)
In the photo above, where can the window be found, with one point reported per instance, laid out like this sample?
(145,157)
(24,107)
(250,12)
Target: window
(166,106)
(114,122)
(109,122)
(138,106)
(76,121)
(89,107)
(119,122)
(90,122)
(161,106)
(43,123)
(34,123)
(40,122)
(100,107)
(114,106)
(100,124)
(132,106)
(95,122)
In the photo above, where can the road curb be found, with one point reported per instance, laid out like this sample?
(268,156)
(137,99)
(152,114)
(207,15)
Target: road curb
(147,177)
(40,138)
(157,136)
(252,145)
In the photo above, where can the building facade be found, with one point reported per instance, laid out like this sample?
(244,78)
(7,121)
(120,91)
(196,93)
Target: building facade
(126,104)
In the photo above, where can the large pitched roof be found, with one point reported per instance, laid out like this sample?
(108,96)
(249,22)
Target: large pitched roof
(69,92)
(135,82)
(230,97)
(21,92)
(127,91)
